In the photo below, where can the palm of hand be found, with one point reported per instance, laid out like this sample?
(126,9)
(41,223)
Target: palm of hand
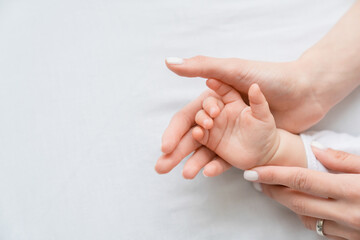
(241,139)
(243,136)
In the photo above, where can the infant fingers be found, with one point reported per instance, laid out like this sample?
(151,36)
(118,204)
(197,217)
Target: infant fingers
(201,135)
(203,119)
(212,106)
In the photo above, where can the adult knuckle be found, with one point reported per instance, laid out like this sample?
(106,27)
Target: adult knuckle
(202,63)
(298,205)
(200,58)
(181,153)
(203,67)
(307,223)
(341,156)
(301,181)
(240,70)
(235,72)
(270,177)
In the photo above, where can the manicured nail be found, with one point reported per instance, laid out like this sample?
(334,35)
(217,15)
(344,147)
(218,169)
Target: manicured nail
(251,175)
(257,186)
(174,60)
(318,145)
(204,174)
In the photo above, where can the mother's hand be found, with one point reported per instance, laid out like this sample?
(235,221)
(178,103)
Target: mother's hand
(285,85)
(288,86)
(317,195)
(179,143)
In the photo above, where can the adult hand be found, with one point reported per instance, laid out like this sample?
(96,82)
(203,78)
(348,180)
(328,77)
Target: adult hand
(287,87)
(289,93)
(179,143)
(316,195)
(299,93)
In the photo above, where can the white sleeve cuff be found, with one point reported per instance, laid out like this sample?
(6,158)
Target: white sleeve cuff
(338,141)
(312,162)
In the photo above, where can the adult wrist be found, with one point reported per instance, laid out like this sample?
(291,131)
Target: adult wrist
(331,73)
(329,84)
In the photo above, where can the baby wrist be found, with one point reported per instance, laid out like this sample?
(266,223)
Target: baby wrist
(290,151)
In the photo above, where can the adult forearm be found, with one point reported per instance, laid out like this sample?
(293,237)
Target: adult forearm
(333,64)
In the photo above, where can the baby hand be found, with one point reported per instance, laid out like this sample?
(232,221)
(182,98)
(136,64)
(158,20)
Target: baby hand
(244,136)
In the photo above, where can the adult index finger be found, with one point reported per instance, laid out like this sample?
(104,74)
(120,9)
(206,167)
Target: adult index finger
(181,123)
(305,180)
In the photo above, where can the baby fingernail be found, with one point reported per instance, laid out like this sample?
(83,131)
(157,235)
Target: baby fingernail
(174,60)
(318,145)
(204,174)
(257,186)
(212,111)
(206,122)
(251,175)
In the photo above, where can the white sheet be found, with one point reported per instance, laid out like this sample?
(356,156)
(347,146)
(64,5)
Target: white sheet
(85,97)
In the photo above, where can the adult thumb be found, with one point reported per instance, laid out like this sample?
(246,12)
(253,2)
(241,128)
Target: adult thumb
(337,160)
(228,70)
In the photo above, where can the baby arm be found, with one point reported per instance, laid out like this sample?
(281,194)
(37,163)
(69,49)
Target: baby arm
(245,136)
(291,151)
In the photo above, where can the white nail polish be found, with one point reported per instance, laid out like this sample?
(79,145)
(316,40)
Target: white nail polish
(251,175)
(204,174)
(257,186)
(318,145)
(174,60)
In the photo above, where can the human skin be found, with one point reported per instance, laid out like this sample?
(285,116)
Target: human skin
(317,195)
(299,93)
(245,136)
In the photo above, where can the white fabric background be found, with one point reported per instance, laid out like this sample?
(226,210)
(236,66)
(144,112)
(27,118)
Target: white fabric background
(85,97)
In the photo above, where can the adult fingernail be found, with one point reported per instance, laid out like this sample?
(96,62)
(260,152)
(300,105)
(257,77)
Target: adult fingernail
(257,186)
(174,60)
(251,175)
(318,145)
